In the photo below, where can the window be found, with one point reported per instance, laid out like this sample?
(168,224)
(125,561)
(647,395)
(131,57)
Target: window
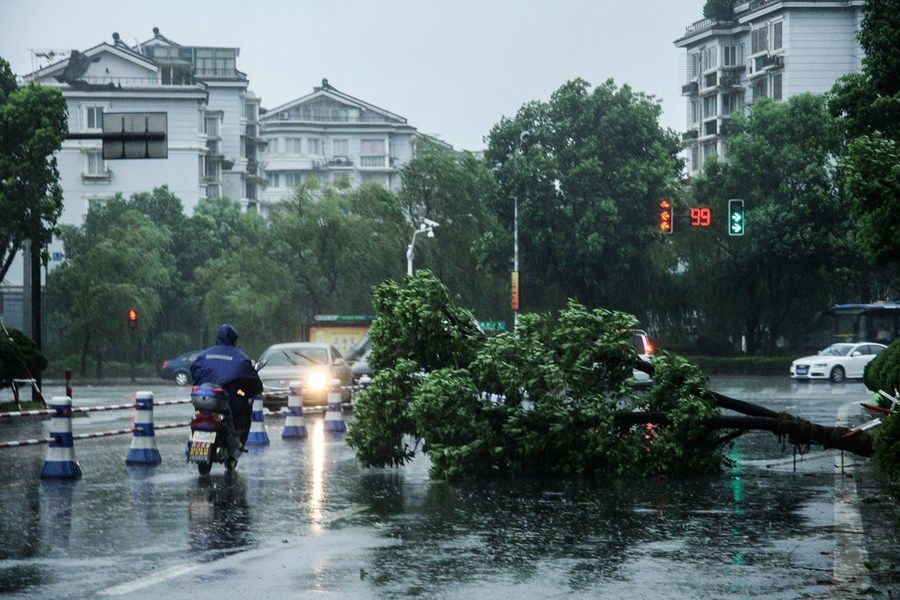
(292,178)
(729,56)
(740,54)
(272,179)
(709,149)
(293,146)
(695,111)
(94,163)
(776,86)
(202,166)
(759,40)
(710,56)
(340,147)
(759,88)
(312,146)
(94,117)
(212,127)
(776,35)
(709,107)
(693,65)
(695,157)
(727,104)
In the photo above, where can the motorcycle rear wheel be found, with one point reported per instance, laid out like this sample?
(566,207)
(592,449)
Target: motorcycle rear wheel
(204,468)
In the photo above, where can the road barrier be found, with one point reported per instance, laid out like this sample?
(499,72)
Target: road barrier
(143,449)
(294,426)
(334,414)
(81,409)
(60,462)
(257,435)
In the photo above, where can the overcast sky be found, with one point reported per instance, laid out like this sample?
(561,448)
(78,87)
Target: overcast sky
(452,68)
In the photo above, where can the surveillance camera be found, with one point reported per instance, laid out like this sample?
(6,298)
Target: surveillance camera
(431,223)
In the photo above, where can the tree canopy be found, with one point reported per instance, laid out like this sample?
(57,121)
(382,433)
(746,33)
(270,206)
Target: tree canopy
(588,168)
(33,126)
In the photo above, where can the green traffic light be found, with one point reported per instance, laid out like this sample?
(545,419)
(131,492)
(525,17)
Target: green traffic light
(736,220)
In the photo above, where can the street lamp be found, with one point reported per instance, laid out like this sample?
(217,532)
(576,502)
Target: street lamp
(427,227)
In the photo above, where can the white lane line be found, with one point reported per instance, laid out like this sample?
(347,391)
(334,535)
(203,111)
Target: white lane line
(145,582)
(850,556)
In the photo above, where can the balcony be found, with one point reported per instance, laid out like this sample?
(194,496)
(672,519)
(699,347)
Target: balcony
(730,80)
(340,162)
(690,89)
(691,134)
(705,25)
(124,82)
(768,62)
(373,161)
(710,80)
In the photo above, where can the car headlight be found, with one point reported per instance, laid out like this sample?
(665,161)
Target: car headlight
(317,381)
(820,365)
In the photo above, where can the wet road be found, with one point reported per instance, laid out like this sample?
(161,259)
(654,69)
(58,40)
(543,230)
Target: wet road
(302,518)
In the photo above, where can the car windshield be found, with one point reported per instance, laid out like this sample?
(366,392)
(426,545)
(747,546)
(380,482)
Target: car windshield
(837,350)
(295,356)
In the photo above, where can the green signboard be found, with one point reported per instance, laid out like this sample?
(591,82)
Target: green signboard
(492,325)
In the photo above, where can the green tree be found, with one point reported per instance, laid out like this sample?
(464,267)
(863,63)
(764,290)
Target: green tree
(337,242)
(32,127)
(868,107)
(471,251)
(720,10)
(588,169)
(797,251)
(119,258)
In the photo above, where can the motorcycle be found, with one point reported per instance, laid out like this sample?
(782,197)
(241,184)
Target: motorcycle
(213,438)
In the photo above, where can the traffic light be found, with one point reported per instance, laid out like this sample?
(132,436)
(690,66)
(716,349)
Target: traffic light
(736,219)
(665,216)
(132,317)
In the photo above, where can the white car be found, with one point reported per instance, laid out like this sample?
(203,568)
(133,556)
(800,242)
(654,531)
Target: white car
(836,362)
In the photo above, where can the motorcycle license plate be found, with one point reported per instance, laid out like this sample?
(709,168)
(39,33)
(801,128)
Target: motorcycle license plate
(201,445)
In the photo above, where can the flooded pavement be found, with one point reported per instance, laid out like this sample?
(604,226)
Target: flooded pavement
(302,518)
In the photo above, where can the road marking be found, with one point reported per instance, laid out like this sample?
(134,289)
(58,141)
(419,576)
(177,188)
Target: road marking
(144,582)
(850,554)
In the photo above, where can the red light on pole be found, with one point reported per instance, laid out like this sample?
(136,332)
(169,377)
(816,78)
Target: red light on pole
(132,317)
(665,216)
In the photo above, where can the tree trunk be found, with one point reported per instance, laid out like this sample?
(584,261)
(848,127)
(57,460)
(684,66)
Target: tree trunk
(799,431)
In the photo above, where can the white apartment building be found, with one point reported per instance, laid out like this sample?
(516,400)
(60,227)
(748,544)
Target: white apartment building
(772,48)
(213,128)
(332,135)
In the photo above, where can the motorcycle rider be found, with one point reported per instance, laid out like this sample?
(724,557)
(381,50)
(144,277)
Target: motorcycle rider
(225,365)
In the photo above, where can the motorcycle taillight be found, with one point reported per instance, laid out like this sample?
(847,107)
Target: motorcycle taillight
(203,418)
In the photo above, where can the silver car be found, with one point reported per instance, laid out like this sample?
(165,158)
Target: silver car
(313,365)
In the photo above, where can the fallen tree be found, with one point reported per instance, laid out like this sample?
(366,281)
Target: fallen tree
(555,397)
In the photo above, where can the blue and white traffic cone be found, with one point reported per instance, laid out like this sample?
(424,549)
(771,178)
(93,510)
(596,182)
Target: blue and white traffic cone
(258,435)
(143,449)
(294,427)
(334,414)
(60,462)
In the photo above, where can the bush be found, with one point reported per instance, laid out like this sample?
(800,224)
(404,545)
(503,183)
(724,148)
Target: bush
(886,455)
(18,356)
(883,373)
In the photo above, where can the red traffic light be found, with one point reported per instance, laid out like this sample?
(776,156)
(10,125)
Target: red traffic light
(132,317)
(665,216)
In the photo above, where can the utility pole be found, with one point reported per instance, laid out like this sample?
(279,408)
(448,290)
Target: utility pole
(514,292)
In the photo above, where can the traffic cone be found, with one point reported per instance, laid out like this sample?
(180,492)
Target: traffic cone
(334,414)
(60,462)
(143,449)
(258,435)
(294,427)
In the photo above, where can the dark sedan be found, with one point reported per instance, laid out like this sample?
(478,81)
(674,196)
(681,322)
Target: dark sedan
(179,369)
